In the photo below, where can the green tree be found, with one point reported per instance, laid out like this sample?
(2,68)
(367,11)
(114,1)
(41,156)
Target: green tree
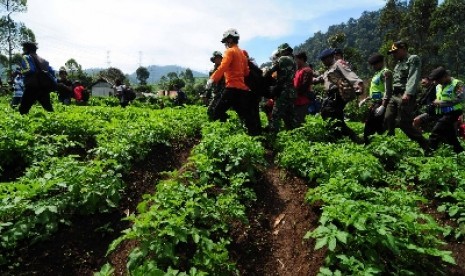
(12,33)
(336,40)
(172,75)
(448,24)
(189,76)
(417,32)
(391,20)
(163,82)
(142,75)
(112,74)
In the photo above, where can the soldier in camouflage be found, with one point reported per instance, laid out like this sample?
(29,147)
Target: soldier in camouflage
(285,93)
(217,89)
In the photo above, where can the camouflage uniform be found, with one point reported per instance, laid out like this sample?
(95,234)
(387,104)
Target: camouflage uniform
(284,104)
(216,91)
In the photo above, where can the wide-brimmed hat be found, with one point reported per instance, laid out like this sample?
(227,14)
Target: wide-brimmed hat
(215,54)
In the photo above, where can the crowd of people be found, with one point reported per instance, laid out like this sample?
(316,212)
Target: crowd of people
(286,91)
(35,79)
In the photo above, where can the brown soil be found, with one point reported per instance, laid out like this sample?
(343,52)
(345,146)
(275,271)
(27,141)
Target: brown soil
(79,249)
(457,247)
(272,243)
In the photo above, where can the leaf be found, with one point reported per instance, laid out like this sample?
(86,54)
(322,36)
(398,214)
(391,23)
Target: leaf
(321,242)
(448,259)
(342,236)
(39,210)
(196,238)
(332,243)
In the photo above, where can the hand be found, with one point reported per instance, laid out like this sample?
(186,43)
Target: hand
(417,122)
(380,111)
(209,84)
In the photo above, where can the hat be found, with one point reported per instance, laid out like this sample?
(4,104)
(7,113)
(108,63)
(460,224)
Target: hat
(284,47)
(230,33)
(438,73)
(29,45)
(375,58)
(397,45)
(326,53)
(214,55)
(338,51)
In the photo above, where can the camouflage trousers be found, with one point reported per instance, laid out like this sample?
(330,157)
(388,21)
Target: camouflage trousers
(283,109)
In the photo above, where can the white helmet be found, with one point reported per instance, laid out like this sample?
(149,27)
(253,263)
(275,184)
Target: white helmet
(230,33)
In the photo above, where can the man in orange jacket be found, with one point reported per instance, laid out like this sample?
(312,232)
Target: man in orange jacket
(234,67)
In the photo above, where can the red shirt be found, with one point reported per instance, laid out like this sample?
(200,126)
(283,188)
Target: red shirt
(303,84)
(78,92)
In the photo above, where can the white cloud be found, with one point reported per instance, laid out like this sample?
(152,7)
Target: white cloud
(178,32)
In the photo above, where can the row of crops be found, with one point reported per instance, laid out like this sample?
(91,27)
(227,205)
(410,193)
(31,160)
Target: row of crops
(373,198)
(72,161)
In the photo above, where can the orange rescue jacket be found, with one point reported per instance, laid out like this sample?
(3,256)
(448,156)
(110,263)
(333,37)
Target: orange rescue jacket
(234,67)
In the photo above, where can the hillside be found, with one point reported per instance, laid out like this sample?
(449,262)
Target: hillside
(156,72)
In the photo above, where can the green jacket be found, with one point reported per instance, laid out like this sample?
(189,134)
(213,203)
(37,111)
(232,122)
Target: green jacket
(406,75)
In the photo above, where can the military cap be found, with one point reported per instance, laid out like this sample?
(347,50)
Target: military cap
(438,73)
(397,45)
(283,47)
(326,53)
(375,58)
(215,54)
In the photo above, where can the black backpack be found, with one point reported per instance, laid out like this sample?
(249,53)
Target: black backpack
(85,95)
(256,81)
(130,94)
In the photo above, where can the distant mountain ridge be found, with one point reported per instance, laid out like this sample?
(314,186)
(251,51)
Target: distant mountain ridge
(156,72)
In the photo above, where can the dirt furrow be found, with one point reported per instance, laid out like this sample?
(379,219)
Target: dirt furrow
(272,244)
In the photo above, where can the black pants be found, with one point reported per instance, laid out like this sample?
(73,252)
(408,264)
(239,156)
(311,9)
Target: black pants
(334,111)
(33,94)
(401,114)
(241,101)
(445,130)
(373,124)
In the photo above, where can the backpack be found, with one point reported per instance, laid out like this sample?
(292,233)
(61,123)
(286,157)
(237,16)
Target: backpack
(130,95)
(256,82)
(345,88)
(85,95)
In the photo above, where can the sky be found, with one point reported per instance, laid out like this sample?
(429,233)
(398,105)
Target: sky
(127,34)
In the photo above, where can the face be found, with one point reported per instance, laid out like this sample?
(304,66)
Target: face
(377,66)
(328,61)
(217,60)
(425,82)
(299,62)
(399,54)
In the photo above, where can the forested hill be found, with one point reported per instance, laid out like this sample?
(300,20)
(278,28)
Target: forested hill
(362,38)
(433,30)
